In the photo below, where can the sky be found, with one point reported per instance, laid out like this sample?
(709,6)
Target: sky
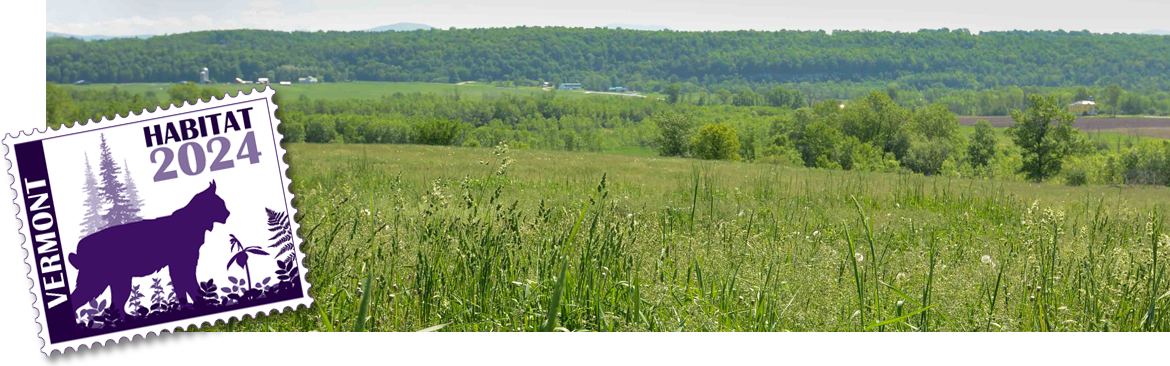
(152,17)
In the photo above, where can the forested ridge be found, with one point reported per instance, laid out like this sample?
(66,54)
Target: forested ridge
(641,59)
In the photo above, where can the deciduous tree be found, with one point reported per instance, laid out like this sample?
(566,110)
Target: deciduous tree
(1045,134)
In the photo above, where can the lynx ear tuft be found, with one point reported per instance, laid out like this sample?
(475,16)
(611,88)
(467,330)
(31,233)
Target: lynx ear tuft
(212,187)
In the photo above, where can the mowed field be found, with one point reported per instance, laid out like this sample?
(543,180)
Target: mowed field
(405,237)
(1157,127)
(355,89)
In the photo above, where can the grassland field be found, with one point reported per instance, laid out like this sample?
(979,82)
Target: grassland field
(405,237)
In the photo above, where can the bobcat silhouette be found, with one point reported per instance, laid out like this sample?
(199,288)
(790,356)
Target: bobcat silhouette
(114,256)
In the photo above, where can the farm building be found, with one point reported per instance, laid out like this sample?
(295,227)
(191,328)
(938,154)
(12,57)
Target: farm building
(262,81)
(570,86)
(1083,108)
(308,80)
(285,83)
(619,89)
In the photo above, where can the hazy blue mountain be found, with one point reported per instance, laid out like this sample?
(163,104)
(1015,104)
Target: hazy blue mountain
(399,27)
(1157,32)
(645,27)
(94,37)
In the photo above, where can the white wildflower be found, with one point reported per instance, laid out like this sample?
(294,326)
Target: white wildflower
(860,258)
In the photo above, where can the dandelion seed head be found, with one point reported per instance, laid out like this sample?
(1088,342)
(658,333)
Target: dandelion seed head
(859,257)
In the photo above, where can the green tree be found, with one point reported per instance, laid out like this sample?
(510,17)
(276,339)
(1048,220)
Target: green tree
(746,97)
(818,144)
(1131,103)
(716,141)
(1082,94)
(876,119)
(1045,134)
(935,121)
(724,96)
(983,144)
(674,131)
(1113,97)
(784,97)
(672,92)
(58,105)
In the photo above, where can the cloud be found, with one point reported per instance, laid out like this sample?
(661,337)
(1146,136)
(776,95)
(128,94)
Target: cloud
(202,20)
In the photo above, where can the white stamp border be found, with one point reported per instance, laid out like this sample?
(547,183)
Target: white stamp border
(9,142)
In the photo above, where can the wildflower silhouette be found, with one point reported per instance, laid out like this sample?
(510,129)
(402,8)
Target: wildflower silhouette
(241,256)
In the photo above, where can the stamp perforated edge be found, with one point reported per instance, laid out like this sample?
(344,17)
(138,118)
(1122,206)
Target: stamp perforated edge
(10,141)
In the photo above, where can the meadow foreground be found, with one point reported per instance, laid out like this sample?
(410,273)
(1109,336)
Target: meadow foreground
(405,238)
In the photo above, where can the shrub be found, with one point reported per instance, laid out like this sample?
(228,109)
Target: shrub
(716,141)
(1074,176)
(437,131)
(292,131)
(319,129)
(819,144)
(928,157)
(674,134)
(1147,163)
(781,155)
(390,132)
(983,144)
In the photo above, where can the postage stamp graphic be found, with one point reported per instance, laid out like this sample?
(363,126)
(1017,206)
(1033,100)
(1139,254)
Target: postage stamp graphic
(157,221)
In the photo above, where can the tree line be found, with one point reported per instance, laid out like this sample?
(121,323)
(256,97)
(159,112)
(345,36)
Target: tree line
(641,60)
(868,133)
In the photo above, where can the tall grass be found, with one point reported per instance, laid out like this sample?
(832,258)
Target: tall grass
(407,238)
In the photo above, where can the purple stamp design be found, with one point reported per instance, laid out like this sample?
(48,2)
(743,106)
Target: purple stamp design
(157,221)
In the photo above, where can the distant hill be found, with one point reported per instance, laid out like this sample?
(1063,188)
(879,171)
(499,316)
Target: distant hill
(1157,32)
(94,37)
(645,27)
(927,59)
(401,27)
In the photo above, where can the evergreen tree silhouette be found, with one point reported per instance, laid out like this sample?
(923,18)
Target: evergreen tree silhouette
(93,203)
(112,190)
(134,201)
